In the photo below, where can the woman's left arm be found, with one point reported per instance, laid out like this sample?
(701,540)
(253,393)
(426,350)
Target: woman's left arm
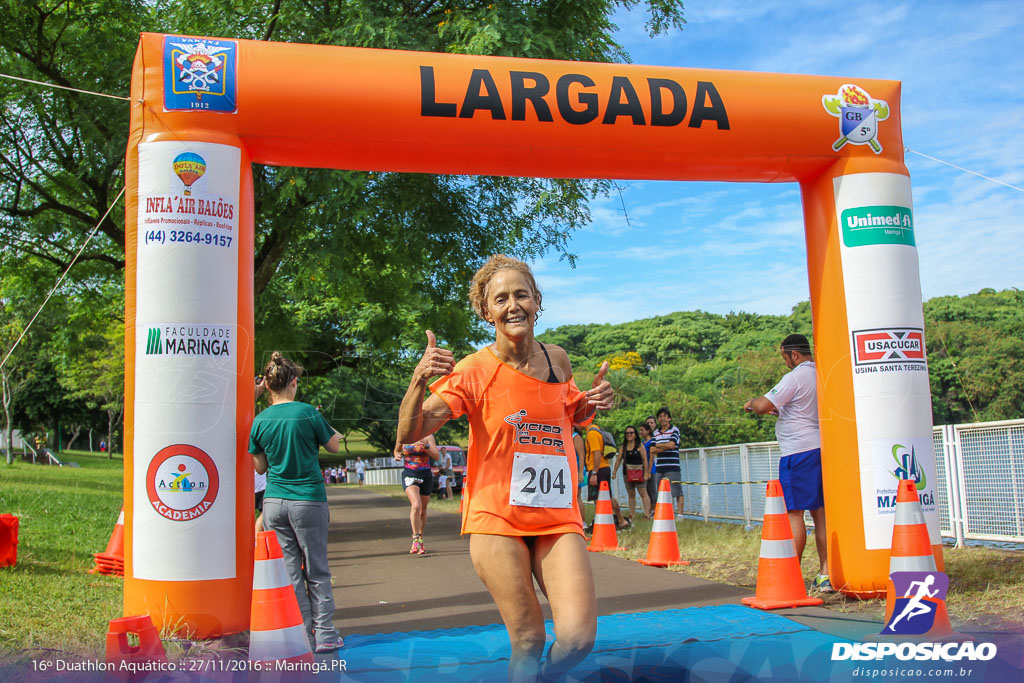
(432,450)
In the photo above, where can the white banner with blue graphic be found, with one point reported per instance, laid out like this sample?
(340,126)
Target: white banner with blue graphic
(185,362)
(892,396)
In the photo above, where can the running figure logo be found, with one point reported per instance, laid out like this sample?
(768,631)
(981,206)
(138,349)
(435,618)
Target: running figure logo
(919,594)
(858,115)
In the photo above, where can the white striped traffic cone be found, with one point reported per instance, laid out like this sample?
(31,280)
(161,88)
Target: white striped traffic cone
(276,630)
(912,551)
(779,581)
(663,548)
(604,536)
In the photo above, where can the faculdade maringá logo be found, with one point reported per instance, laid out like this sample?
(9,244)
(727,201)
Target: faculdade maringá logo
(154,346)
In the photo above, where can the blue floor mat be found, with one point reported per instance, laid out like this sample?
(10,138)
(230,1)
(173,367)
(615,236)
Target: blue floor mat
(732,641)
(727,643)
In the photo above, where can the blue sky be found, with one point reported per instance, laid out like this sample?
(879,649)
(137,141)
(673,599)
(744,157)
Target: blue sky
(729,247)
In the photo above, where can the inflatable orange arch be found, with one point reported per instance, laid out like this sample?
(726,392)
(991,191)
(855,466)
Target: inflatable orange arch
(205,109)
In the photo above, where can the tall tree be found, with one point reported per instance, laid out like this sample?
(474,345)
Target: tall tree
(351,264)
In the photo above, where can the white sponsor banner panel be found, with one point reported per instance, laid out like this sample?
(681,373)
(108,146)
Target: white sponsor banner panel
(886,334)
(185,362)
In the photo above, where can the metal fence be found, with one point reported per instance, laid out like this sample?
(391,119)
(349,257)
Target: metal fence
(980,490)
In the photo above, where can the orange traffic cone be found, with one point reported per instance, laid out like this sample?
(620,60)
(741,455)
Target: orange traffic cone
(779,581)
(605,537)
(8,540)
(912,552)
(663,548)
(111,560)
(276,630)
(149,649)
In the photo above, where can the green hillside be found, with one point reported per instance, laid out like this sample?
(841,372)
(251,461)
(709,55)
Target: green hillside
(704,366)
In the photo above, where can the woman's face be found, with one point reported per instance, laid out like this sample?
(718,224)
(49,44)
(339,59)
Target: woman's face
(630,434)
(643,431)
(511,304)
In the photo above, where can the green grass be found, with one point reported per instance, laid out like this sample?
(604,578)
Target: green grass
(357,447)
(49,600)
(986,584)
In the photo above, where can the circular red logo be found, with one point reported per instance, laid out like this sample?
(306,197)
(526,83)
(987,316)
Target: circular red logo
(182,482)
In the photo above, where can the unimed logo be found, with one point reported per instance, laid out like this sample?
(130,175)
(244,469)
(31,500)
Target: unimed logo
(921,652)
(888,345)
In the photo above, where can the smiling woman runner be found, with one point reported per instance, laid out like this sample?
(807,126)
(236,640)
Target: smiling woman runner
(521,401)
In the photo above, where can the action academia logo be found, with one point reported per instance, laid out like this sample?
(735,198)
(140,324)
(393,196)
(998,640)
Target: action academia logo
(858,115)
(182,482)
(200,75)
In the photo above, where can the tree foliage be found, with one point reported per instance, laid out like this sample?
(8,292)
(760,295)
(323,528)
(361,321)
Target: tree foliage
(350,267)
(703,367)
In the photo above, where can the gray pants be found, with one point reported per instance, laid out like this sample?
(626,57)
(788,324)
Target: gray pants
(301,528)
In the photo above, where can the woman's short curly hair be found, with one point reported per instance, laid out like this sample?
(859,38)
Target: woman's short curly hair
(478,286)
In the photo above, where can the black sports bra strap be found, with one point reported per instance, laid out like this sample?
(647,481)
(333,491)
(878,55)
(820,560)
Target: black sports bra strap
(552,378)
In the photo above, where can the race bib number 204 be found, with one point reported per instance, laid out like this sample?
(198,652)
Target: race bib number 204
(540,481)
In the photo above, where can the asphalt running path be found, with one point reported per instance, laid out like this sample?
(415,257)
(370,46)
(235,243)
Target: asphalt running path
(380,588)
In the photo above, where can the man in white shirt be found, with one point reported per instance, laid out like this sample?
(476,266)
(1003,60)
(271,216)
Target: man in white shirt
(795,400)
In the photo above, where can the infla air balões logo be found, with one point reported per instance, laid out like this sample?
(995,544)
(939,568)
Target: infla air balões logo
(918,594)
(182,482)
(858,116)
(189,167)
(199,75)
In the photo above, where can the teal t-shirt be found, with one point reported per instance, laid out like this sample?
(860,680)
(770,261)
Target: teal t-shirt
(291,435)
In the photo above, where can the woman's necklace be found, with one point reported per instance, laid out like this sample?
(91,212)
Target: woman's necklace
(514,364)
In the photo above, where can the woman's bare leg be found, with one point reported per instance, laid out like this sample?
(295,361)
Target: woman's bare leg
(645,500)
(503,563)
(562,567)
(418,511)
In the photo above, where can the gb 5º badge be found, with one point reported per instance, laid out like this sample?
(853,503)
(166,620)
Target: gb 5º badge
(858,115)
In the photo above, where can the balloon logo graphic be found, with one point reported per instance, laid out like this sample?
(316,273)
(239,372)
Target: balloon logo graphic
(190,167)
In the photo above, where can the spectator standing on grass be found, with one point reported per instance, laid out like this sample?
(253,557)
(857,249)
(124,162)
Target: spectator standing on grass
(633,460)
(666,456)
(285,443)
(579,445)
(600,470)
(647,436)
(795,400)
(448,474)
(360,470)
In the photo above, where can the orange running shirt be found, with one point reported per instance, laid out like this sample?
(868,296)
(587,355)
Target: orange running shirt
(521,465)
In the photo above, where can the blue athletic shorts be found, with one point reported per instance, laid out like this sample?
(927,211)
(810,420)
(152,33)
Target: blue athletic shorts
(800,475)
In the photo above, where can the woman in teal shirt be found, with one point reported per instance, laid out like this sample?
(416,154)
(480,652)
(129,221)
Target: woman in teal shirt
(285,443)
